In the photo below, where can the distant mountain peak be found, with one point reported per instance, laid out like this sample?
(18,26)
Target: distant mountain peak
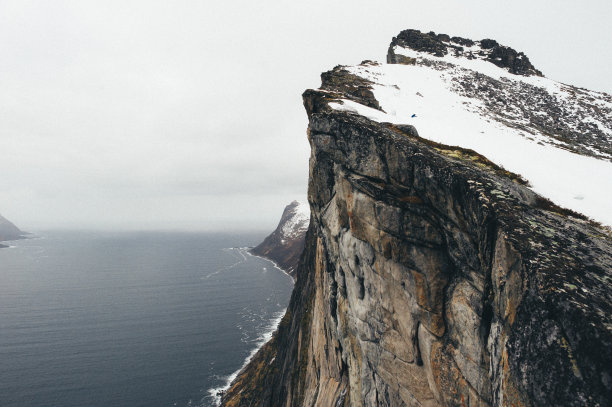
(294,221)
(284,246)
(8,231)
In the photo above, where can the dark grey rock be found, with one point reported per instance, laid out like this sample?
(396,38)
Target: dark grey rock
(441,44)
(8,231)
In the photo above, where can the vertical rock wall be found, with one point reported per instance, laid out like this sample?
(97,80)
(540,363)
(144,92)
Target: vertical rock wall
(431,277)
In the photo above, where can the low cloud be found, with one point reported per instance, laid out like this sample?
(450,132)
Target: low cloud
(188,114)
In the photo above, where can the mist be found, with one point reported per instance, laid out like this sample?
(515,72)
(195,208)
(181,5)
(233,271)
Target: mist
(188,114)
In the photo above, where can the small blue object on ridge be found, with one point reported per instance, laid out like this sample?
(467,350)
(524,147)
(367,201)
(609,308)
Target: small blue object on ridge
(414,115)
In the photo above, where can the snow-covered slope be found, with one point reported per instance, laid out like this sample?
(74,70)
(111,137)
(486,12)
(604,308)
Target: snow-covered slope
(296,221)
(459,92)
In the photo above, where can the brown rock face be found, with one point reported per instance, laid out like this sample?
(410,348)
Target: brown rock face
(432,278)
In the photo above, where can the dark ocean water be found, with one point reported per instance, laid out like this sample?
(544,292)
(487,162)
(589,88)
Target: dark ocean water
(131,319)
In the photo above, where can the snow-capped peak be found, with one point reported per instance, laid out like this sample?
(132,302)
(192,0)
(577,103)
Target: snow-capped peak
(295,220)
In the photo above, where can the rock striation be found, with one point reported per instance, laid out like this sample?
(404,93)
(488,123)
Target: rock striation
(285,245)
(432,277)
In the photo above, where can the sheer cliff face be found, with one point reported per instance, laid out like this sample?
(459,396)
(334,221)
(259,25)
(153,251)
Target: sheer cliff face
(430,276)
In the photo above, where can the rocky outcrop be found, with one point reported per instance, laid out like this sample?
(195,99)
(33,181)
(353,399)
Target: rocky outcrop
(8,231)
(442,44)
(561,115)
(432,277)
(285,245)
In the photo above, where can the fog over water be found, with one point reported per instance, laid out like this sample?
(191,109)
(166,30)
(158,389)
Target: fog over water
(188,114)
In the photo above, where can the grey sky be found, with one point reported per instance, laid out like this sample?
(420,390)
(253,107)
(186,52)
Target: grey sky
(188,114)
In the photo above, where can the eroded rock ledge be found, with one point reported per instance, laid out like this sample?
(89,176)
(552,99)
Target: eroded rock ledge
(431,277)
(443,44)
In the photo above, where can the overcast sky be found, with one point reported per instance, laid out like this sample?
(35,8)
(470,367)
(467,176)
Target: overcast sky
(188,114)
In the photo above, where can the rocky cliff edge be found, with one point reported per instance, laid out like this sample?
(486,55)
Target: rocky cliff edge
(432,277)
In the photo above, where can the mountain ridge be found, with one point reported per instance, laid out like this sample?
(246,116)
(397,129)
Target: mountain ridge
(526,124)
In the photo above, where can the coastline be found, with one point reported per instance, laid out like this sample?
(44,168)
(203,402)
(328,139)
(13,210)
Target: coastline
(5,244)
(271,261)
(216,393)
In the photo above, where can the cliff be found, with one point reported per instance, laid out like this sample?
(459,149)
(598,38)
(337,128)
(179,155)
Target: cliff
(286,243)
(432,276)
(8,231)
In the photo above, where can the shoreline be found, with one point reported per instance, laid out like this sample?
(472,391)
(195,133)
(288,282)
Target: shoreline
(271,261)
(6,244)
(217,392)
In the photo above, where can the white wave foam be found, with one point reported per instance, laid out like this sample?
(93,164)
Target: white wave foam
(276,266)
(264,337)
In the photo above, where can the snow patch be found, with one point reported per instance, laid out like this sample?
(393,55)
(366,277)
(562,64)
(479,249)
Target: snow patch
(422,96)
(298,222)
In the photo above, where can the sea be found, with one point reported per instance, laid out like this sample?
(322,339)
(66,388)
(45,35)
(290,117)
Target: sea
(127,319)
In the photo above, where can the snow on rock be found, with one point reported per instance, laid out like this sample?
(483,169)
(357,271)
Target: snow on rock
(296,223)
(286,243)
(556,136)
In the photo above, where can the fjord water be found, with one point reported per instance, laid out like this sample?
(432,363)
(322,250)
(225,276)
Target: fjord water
(131,319)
